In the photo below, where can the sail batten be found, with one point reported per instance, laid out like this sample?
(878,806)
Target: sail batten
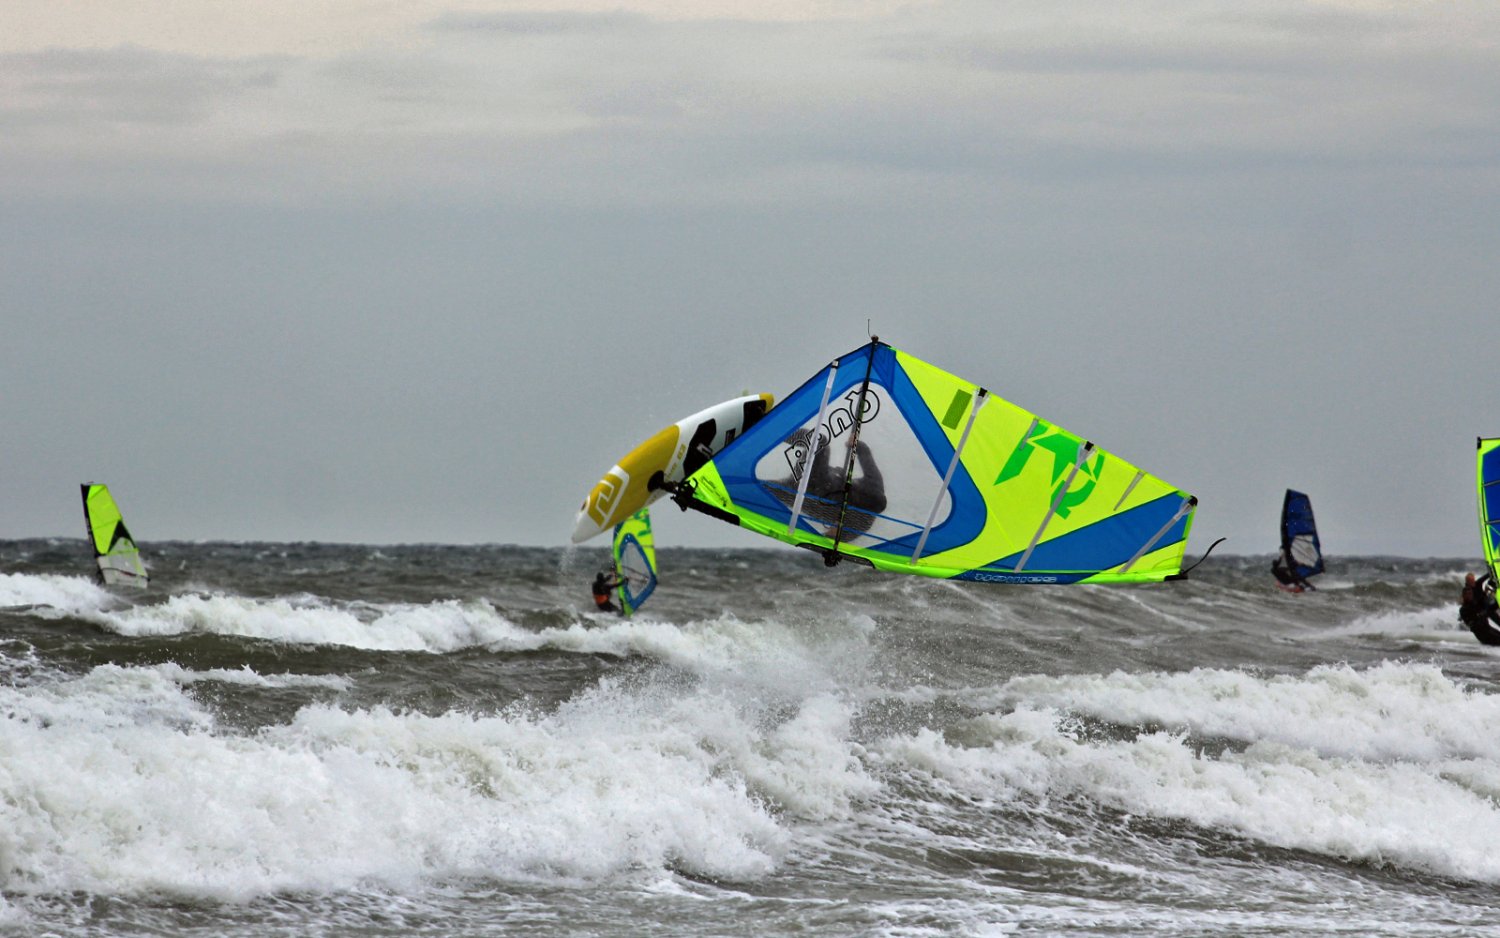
(1187,506)
(941,478)
(963,440)
(814,443)
(1062,490)
(1139,475)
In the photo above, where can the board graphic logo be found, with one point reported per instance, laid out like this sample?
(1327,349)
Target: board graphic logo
(606,494)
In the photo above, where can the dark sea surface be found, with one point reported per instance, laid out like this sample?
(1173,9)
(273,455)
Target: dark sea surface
(318,739)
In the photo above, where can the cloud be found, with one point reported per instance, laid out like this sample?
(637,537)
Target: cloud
(632,106)
(122,86)
(542,22)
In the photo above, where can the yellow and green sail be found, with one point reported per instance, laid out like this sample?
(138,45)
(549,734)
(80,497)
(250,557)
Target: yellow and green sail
(114,550)
(635,560)
(884,458)
(1489,503)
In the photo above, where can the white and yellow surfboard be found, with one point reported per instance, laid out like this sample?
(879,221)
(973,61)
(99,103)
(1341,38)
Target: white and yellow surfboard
(671,455)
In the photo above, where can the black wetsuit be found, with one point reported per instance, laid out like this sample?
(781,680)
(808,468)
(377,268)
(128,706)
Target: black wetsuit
(866,492)
(1281,568)
(602,587)
(1479,612)
(1281,572)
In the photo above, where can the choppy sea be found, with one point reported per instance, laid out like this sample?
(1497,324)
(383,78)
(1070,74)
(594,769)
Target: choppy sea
(318,739)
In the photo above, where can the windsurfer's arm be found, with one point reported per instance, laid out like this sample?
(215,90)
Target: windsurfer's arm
(869,492)
(867,467)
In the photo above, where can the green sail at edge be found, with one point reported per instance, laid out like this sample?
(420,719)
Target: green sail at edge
(119,562)
(1487,470)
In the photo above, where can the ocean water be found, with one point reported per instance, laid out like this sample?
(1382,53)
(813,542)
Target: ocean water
(310,739)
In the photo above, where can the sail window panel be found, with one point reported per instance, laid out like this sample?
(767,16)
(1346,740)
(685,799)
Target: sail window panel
(890,477)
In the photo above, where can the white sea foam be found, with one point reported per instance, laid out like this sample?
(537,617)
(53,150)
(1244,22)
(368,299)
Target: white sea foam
(436,627)
(1435,623)
(245,677)
(119,782)
(765,653)
(1394,765)
(1390,711)
(53,594)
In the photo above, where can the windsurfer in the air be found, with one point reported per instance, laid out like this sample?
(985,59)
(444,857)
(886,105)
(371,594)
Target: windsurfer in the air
(866,490)
(825,490)
(605,582)
(1478,610)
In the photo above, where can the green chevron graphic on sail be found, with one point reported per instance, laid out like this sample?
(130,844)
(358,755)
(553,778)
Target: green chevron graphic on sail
(1064,449)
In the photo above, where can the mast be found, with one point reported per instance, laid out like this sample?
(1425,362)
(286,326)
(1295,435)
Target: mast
(832,557)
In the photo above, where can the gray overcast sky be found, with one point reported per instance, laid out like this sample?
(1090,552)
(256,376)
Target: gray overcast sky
(423,271)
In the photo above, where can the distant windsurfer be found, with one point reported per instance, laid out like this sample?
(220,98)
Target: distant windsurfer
(605,582)
(1285,572)
(1478,610)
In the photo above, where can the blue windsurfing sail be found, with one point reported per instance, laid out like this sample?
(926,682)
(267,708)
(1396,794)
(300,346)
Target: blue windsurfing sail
(635,560)
(1299,535)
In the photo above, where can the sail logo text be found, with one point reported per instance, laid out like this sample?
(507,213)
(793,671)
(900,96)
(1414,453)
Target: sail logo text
(840,421)
(983,577)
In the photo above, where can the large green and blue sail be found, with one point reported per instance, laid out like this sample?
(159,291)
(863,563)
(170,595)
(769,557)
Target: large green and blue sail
(114,550)
(1299,535)
(886,459)
(635,560)
(1489,503)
